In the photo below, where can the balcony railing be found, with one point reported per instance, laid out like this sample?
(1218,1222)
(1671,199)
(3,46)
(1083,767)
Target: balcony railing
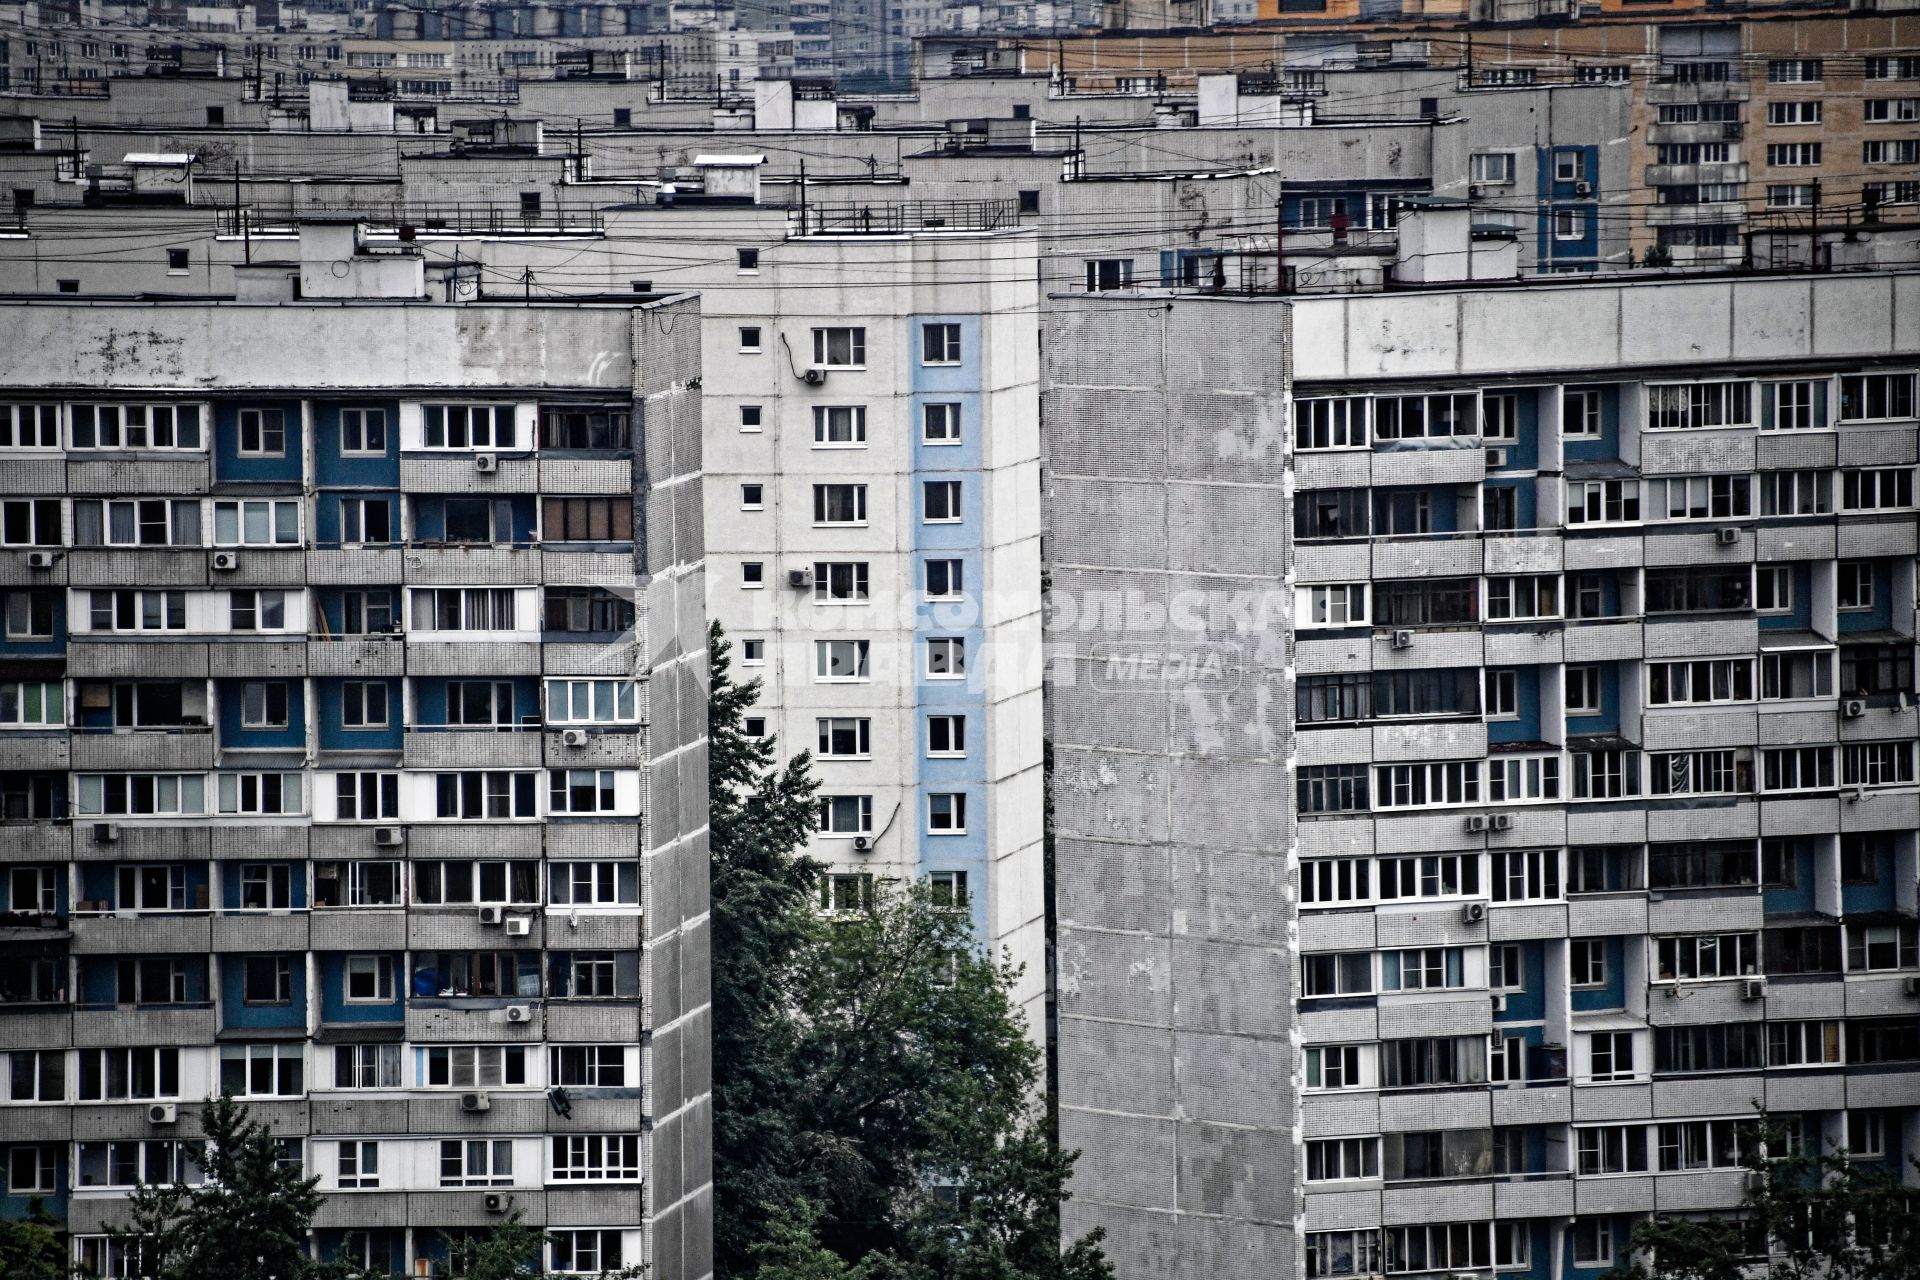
(457,218)
(899,217)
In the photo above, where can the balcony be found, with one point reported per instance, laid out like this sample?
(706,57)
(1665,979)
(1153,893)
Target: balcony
(183,747)
(455,564)
(356,656)
(260,931)
(131,566)
(464,747)
(357,929)
(1693,175)
(134,932)
(514,471)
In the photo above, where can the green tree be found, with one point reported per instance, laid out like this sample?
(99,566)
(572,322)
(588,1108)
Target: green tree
(759,816)
(247,1220)
(1814,1215)
(30,1247)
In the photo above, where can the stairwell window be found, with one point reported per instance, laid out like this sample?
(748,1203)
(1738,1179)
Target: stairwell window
(947,813)
(941,502)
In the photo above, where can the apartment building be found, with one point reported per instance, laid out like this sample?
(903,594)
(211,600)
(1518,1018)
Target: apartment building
(872,468)
(351,759)
(1503,779)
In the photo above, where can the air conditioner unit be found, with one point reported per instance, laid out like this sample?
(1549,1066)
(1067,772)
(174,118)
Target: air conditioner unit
(1726,537)
(42,559)
(492,914)
(1583,188)
(1473,193)
(1853,708)
(1752,989)
(1476,822)
(1403,639)
(163,1113)
(519,926)
(486,463)
(573,737)
(813,376)
(1499,1004)
(475,1102)
(226,561)
(495,1202)
(800,578)
(1911,986)
(1755,1180)
(1496,457)
(105,832)
(389,837)
(519,1013)
(1474,912)
(1501,822)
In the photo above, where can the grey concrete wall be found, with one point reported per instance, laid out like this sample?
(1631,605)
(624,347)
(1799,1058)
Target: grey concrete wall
(1167,485)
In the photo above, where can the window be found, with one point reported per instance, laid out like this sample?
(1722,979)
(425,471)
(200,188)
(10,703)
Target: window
(839,426)
(1854,586)
(1795,71)
(839,348)
(35,522)
(366,1066)
(140,795)
(1580,415)
(1516,598)
(840,504)
(1788,155)
(1569,223)
(467,426)
(747,259)
(1526,875)
(1425,417)
(837,660)
(1803,112)
(40,1075)
(147,522)
(32,703)
(587,1066)
(125,1075)
(1334,1067)
(839,581)
(478,796)
(941,501)
(1109,273)
(594,884)
(596,1157)
(581,791)
(263,1070)
(366,797)
(1423,969)
(1434,875)
(1331,788)
(1340,974)
(368,612)
(590,701)
(1587,962)
(1793,493)
(753,653)
(1492,168)
(34,890)
(476,1162)
(29,426)
(1699,498)
(1698,405)
(469,1066)
(32,1170)
(1612,1055)
(261,793)
(363,432)
(267,980)
(260,522)
(940,343)
(263,432)
(750,339)
(1882,110)
(594,1252)
(1698,590)
(1706,956)
(1879,489)
(1505,969)
(750,419)
(465,609)
(1452,1246)
(1503,694)
(947,813)
(946,657)
(30,614)
(1602,501)
(257,610)
(1340,1159)
(263,704)
(359,1165)
(1901,68)
(1803,1044)
(1701,682)
(135,426)
(1614,1148)
(1339,605)
(369,979)
(1330,423)
(1891,151)
(135,1163)
(1874,397)
(846,815)
(940,423)
(1876,764)
(845,737)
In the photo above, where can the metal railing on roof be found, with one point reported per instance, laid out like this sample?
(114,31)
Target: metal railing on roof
(893,218)
(500,219)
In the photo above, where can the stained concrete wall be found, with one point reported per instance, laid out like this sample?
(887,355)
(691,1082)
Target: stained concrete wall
(1170,711)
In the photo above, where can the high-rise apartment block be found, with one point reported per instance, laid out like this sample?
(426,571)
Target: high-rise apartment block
(1455,910)
(352,760)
